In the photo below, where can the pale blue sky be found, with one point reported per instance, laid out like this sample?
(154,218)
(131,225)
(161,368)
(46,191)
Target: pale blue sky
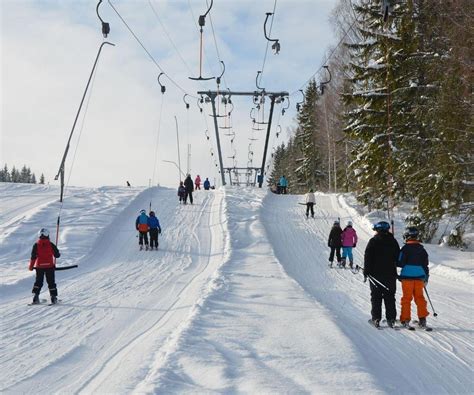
(48,48)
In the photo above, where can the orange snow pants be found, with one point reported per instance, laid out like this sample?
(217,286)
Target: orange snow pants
(413,289)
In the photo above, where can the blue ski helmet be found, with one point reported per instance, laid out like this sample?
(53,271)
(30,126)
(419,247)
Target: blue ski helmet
(142,211)
(411,233)
(381,226)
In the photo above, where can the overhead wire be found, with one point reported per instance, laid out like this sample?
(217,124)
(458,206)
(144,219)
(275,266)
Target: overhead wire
(148,52)
(168,36)
(327,58)
(268,42)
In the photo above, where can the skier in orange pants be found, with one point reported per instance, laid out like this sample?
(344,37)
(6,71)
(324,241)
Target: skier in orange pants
(413,260)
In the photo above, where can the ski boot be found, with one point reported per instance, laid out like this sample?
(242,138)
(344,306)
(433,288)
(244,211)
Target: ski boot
(54,299)
(422,322)
(391,323)
(146,248)
(36,299)
(375,322)
(351,264)
(330,264)
(342,263)
(141,247)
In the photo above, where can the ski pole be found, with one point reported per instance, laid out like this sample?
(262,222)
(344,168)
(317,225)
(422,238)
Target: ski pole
(383,285)
(434,313)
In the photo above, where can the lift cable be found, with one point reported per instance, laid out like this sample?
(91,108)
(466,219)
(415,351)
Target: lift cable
(327,59)
(148,52)
(168,36)
(268,42)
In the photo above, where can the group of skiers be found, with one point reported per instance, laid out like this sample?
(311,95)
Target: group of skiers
(186,188)
(381,258)
(345,239)
(148,224)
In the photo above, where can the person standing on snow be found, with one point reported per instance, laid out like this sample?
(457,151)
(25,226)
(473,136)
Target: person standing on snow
(310,200)
(414,262)
(207,184)
(349,241)
(197,182)
(141,224)
(283,185)
(181,192)
(380,266)
(42,260)
(154,229)
(335,242)
(188,184)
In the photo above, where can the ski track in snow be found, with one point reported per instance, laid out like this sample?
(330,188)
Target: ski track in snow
(238,299)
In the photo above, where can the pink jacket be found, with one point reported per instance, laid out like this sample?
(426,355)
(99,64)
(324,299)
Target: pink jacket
(349,237)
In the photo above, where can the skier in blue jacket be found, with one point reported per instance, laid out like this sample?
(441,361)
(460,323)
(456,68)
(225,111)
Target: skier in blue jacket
(154,229)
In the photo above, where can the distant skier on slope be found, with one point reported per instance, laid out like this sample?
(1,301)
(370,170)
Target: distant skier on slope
(197,182)
(207,184)
(349,241)
(154,229)
(141,224)
(181,192)
(414,262)
(380,266)
(188,184)
(283,183)
(310,200)
(335,242)
(42,260)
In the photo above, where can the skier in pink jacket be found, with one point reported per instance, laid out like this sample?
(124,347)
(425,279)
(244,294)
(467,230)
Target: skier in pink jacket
(349,241)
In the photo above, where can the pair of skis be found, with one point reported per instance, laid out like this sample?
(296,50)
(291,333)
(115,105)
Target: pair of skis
(399,327)
(44,302)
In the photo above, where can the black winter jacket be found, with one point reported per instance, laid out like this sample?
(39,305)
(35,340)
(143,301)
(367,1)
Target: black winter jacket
(381,256)
(188,183)
(335,237)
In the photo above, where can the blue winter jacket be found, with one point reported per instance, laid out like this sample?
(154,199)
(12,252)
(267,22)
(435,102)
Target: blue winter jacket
(207,184)
(413,260)
(283,181)
(153,222)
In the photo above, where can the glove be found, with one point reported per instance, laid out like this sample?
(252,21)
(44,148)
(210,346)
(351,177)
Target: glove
(329,244)
(426,279)
(365,278)
(159,231)
(31,265)
(354,245)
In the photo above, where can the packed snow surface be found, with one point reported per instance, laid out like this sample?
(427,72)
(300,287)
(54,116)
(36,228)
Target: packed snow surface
(239,298)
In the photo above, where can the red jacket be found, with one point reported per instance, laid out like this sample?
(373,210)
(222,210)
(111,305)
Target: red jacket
(43,254)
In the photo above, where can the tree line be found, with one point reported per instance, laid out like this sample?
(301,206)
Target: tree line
(24,175)
(395,123)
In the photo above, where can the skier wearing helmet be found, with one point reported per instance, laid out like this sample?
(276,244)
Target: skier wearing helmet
(42,260)
(414,261)
(335,243)
(349,241)
(155,228)
(380,267)
(141,224)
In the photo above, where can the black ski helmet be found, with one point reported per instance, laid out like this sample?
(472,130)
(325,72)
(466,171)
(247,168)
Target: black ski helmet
(411,233)
(381,226)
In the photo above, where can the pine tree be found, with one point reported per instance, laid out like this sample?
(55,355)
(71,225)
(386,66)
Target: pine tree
(42,179)
(14,175)
(307,172)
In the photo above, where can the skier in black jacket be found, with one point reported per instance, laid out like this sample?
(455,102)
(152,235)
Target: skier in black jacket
(189,185)
(380,265)
(335,242)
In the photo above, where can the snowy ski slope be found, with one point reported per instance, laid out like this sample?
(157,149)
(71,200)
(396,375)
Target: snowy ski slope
(238,299)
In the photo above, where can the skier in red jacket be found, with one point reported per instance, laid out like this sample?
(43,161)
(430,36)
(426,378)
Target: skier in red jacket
(42,260)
